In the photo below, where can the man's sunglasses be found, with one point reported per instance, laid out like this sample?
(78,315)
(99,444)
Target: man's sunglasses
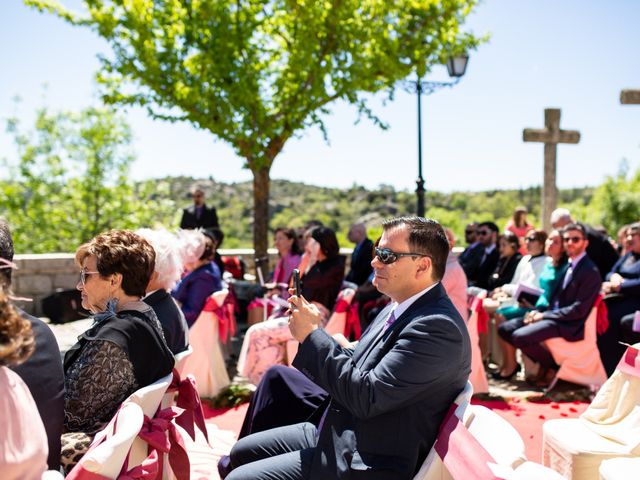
(388,256)
(483,232)
(572,239)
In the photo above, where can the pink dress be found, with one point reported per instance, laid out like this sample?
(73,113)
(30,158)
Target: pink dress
(519,232)
(23,440)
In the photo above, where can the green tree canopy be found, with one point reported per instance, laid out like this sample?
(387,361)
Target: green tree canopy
(70,181)
(254,73)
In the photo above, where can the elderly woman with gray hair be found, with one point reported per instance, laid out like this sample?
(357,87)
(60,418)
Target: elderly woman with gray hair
(166,274)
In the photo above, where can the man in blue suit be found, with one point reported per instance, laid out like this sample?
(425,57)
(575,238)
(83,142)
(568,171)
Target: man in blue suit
(390,394)
(568,310)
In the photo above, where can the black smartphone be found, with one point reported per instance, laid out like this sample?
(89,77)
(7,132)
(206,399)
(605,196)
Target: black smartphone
(296,282)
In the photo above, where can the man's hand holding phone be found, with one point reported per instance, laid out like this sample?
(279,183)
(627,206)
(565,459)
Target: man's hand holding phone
(304,317)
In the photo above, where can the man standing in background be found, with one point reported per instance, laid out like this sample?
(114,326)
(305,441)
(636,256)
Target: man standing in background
(199,215)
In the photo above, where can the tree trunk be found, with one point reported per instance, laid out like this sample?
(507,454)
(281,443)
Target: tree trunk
(261,182)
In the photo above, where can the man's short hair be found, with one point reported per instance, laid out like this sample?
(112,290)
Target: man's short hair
(425,236)
(574,226)
(490,225)
(560,214)
(6,252)
(124,252)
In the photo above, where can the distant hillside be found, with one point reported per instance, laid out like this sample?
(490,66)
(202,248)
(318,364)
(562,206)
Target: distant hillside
(293,204)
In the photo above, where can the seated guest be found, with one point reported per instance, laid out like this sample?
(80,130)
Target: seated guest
(202,278)
(554,267)
(569,307)
(508,245)
(519,226)
(527,273)
(166,273)
(264,343)
(391,393)
(471,257)
(42,370)
(622,295)
(361,256)
(123,350)
(487,235)
(23,440)
(623,245)
(600,250)
(284,239)
(454,280)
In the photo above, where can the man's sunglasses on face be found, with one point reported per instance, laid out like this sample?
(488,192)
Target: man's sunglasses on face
(388,256)
(483,232)
(572,239)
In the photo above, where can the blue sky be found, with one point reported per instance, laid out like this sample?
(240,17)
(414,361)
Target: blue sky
(573,54)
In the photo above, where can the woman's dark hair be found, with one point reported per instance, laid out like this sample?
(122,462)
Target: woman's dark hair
(327,240)
(512,239)
(124,252)
(210,246)
(290,233)
(16,336)
(216,234)
(519,215)
(539,235)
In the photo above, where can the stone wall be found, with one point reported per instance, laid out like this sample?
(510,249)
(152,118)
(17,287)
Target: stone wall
(41,275)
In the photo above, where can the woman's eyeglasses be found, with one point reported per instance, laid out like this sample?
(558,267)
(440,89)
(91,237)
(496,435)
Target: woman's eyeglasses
(83,276)
(388,256)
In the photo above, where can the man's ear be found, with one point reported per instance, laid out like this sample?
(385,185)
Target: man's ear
(425,266)
(116,280)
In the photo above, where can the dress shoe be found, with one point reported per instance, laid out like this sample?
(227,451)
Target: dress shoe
(498,376)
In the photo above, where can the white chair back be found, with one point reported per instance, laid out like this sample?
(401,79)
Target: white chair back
(498,437)
(432,468)
(206,362)
(108,457)
(182,357)
(337,320)
(579,361)
(478,377)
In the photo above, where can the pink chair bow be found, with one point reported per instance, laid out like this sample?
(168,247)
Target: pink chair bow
(189,401)
(161,435)
(630,362)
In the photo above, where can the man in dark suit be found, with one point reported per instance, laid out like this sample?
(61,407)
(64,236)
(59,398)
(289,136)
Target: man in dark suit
(488,237)
(570,306)
(361,256)
(600,250)
(390,394)
(42,371)
(199,215)
(471,257)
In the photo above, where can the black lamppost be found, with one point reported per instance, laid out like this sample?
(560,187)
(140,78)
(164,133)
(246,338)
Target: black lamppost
(456,66)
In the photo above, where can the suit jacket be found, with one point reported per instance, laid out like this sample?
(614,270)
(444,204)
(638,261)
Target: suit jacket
(361,263)
(208,218)
(486,269)
(389,395)
(470,260)
(42,372)
(600,251)
(174,325)
(576,300)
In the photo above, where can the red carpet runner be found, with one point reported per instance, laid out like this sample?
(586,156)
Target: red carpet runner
(526,417)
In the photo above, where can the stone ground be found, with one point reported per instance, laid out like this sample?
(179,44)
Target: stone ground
(67,333)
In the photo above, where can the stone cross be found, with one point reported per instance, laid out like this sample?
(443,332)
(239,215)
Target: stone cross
(551,136)
(630,97)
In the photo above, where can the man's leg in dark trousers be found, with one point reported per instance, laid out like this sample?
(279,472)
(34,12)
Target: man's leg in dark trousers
(529,338)
(283,453)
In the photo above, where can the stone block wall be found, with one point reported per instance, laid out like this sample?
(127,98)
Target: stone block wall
(41,275)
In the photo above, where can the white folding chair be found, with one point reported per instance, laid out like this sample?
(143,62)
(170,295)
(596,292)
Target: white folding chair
(478,377)
(579,361)
(206,363)
(609,428)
